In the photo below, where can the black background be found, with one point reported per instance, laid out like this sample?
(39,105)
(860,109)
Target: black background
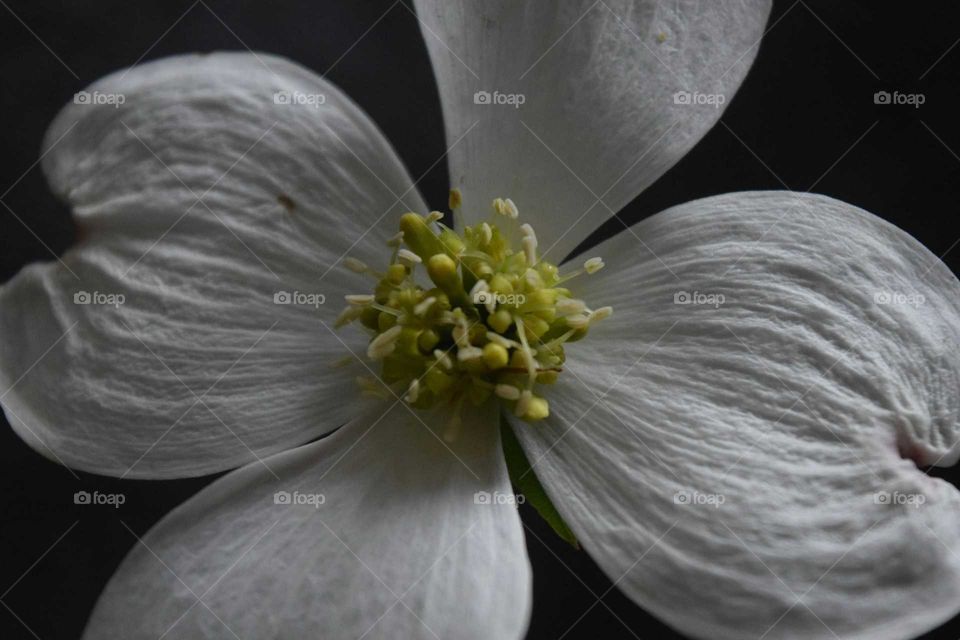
(804,119)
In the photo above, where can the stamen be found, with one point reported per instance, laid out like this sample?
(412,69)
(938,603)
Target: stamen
(443,360)
(359,299)
(393,312)
(409,256)
(384,344)
(469,353)
(529,244)
(455,199)
(421,309)
(601,314)
(372,386)
(511,209)
(506,343)
(347,316)
(486,233)
(413,391)
(357,266)
(507,392)
(493,322)
(534,281)
(593,265)
(523,403)
(526,351)
(569,306)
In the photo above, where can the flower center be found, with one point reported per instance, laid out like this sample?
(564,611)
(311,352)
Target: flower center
(494,323)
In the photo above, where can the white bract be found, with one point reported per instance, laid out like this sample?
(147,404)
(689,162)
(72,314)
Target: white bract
(736,446)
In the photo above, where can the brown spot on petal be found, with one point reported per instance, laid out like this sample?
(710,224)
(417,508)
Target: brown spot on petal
(287,202)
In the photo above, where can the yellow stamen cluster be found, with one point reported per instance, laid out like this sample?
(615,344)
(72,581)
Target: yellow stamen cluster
(494,322)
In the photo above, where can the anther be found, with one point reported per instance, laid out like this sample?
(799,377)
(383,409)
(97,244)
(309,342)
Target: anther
(507,391)
(469,353)
(523,403)
(359,299)
(486,233)
(421,308)
(593,265)
(570,306)
(409,256)
(413,391)
(357,266)
(455,199)
(384,344)
(601,314)
(395,240)
(529,244)
(443,360)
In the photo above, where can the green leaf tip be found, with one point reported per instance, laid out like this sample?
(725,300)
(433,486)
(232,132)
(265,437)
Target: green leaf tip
(525,480)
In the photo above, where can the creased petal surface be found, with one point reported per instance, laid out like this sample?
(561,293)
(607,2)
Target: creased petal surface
(573,108)
(374,532)
(186,332)
(737,446)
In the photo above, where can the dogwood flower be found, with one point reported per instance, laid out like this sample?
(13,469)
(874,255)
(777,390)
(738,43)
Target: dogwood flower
(736,445)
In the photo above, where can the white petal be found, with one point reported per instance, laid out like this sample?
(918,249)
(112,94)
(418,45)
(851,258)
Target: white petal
(198,370)
(737,464)
(599,121)
(397,547)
